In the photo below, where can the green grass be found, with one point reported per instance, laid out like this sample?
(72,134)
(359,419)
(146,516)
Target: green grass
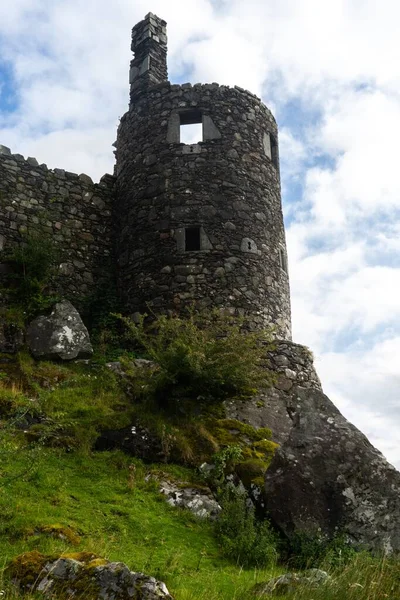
(363,578)
(52,483)
(115,516)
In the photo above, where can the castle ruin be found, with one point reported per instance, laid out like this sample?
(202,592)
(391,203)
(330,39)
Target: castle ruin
(180,224)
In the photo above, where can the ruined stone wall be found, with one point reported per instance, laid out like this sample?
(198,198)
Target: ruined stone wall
(70,208)
(226,187)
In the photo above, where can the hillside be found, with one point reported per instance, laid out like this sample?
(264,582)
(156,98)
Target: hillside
(58,495)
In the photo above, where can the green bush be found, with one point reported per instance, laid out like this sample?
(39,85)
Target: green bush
(243,539)
(312,551)
(208,357)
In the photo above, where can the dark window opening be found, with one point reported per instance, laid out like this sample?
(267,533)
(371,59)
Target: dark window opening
(249,245)
(274,150)
(191,127)
(192,239)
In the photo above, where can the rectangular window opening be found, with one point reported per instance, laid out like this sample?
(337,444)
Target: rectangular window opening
(283,260)
(192,239)
(274,150)
(191,127)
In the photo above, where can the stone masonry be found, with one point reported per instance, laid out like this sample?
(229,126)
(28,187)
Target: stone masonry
(70,208)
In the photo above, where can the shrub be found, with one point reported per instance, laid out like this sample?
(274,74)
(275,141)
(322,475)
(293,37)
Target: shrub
(243,539)
(307,551)
(208,356)
(224,462)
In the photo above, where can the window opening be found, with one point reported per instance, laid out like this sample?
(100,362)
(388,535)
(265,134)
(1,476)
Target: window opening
(249,245)
(274,150)
(282,260)
(191,127)
(192,239)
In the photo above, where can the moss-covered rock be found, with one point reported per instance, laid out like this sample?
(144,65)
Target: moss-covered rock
(251,472)
(83,576)
(26,568)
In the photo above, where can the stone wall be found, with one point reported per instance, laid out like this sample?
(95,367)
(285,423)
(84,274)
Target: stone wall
(225,191)
(70,208)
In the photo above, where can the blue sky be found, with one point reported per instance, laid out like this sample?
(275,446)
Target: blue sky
(329,72)
(8,94)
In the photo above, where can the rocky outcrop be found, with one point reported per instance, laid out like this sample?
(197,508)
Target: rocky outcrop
(289,583)
(199,501)
(327,477)
(60,336)
(293,366)
(83,576)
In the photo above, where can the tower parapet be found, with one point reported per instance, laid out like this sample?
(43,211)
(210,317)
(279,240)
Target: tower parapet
(200,223)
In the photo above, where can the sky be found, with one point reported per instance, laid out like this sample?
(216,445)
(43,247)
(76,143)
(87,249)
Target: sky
(329,71)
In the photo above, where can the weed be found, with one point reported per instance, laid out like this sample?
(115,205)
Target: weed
(243,539)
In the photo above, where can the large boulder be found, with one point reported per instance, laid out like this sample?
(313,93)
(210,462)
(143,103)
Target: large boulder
(59,336)
(327,477)
(82,576)
(292,366)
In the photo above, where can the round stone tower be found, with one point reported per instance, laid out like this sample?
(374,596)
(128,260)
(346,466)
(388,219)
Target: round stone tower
(198,223)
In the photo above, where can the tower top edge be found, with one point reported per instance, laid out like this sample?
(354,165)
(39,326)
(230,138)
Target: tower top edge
(150,19)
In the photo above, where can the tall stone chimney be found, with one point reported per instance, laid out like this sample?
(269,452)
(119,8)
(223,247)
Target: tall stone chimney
(149,45)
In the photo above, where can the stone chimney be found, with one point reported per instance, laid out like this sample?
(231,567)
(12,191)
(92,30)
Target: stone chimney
(149,65)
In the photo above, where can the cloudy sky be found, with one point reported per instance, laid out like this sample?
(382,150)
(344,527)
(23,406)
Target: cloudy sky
(329,70)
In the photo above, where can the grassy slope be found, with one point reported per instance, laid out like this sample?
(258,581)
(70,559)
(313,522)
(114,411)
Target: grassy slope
(115,517)
(115,509)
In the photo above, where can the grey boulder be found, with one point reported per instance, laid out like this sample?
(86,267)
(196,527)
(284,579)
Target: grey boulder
(200,502)
(327,478)
(60,336)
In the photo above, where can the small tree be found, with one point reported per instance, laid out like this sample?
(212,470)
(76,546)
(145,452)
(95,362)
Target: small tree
(28,284)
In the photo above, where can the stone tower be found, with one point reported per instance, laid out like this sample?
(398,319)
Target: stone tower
(198,223)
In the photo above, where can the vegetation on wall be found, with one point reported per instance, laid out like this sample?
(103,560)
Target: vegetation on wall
(98,313)
(27,285)
(206,356)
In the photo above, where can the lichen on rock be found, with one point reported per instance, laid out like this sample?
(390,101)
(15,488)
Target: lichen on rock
(60,336)
(83,576)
